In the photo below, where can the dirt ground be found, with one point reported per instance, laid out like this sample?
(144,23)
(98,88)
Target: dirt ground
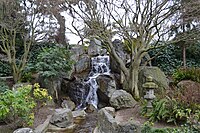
(41,114)
(134,113)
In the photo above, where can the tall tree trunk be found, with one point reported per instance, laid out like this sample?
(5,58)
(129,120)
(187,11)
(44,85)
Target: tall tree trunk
(60,38)
(131,82)
(184,56)
(134,83)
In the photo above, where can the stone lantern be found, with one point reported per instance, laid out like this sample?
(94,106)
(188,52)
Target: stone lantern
(149,86)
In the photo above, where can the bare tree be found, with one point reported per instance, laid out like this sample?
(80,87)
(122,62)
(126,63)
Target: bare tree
(18,19)
(137,22)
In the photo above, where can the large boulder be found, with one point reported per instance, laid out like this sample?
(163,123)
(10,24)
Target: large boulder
(82,64)
(106,88)
(24,130)
(108,124)
(77,51)
(94,48)
(62,118)
(78,91)
(158,77)
(122,99)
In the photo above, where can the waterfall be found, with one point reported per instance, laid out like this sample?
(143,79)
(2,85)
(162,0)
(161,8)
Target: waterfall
(100,66)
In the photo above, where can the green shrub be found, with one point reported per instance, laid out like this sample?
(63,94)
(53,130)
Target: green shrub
(3,86)
(187,128)
(40,94)
(17,105)
(160,110)
(170,57)
(171,110)
(52,62)
(187,74)
(5,69)
(26,77)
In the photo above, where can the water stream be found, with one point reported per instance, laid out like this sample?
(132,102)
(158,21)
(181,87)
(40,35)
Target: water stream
(100,66)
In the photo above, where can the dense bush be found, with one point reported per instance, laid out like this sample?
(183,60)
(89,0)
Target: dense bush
(187,74)
(18,105)
(187,128)
(40,94)
(3,86)
(171,110)
(5,69)
(170,57)
(52,62)
(36,49)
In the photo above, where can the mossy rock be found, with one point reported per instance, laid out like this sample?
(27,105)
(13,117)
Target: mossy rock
(158,77)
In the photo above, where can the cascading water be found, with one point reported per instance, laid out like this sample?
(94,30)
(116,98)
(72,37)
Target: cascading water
(100,66)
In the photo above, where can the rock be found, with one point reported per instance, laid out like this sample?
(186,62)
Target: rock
(79,116)
(110,110)
(158,77)
(77,51)
(106,88)
(90,108)
(68,104)
(55,129)
(82,64)
(24,130)
(94,48)
(43,127)
(122,99)
(62,118)
(108,124)
(78,91)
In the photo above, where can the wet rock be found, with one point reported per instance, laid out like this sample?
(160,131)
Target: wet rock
(24,130)
(82,64)
(122,99)
(79,116)
(78,91)
(107,86)
(62,118)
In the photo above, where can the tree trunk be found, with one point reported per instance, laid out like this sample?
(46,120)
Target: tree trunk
(184,56)
(131,82)
(60,38)
(16,74)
